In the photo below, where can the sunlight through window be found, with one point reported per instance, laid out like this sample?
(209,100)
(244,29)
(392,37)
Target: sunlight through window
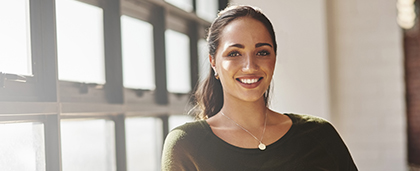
(186,5)
(178,62)
(207,9)
(137,49)
(22,146)
(15,38)
(143,139)
(88,145)
(80,42)
(203,59)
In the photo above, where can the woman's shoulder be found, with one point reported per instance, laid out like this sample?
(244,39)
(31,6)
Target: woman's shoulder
(321,133)
(191,127)
(188,131)
(182,142)
(311,124)
(302,119)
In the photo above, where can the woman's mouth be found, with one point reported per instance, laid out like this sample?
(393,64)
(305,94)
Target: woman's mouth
(249,82)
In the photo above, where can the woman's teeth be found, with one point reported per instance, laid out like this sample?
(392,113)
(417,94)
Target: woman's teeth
(249,81)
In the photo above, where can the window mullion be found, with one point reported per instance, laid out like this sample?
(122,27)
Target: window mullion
(193,34)
(165,125)
(44,55)
(52,143)
(120,142)
(113,52)
(194,4)
(159,27)
(44,48)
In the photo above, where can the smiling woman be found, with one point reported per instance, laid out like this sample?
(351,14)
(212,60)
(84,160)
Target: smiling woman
(245,64)
(237,130)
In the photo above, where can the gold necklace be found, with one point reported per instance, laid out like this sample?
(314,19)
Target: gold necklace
(261,146)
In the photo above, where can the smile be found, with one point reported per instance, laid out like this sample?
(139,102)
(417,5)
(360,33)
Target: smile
(249,80)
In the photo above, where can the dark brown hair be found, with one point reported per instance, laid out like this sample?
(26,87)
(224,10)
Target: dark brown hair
(209,94)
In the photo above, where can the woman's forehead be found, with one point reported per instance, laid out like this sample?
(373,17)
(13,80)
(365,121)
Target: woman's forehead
(245,30)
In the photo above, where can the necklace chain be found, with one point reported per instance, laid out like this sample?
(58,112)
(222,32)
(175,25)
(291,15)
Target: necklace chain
(261,146)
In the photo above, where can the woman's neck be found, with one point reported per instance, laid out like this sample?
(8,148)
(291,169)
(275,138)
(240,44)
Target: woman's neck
(249,114)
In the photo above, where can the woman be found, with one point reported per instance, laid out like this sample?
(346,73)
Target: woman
(237,130)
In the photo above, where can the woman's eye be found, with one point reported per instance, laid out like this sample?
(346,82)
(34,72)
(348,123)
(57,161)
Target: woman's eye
(263,53)
(233,54)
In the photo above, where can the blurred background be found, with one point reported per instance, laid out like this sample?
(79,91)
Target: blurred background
(97,84)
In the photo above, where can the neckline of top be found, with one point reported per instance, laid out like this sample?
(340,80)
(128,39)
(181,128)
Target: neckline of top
(281,139)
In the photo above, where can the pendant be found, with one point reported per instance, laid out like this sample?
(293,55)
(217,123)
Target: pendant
(261,146)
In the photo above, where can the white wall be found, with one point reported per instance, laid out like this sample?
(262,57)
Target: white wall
(342,60)
(368,84)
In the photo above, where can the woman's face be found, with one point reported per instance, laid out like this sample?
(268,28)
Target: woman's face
(245,59)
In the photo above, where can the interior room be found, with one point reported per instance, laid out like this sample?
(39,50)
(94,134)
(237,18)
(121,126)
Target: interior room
(98,84)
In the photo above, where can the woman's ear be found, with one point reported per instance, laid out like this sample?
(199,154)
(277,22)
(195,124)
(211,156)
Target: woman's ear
(213,66)
(212,63)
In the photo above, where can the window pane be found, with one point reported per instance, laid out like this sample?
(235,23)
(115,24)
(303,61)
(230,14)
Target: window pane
(88,145)
(203,59)
(186,5)
(22,147)
(177,62)
(15,44)
(137,49)
(80,42)
(207,9)
(177,120)
(143,139)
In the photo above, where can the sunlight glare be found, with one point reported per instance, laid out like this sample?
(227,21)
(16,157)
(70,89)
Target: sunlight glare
(15,38)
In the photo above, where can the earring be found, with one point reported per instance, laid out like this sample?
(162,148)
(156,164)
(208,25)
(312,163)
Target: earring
(216,75)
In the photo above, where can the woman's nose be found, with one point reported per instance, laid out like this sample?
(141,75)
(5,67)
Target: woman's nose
(249,64)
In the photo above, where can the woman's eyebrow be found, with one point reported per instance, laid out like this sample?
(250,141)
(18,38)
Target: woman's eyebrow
(237,45)
(263,44)
(256,45)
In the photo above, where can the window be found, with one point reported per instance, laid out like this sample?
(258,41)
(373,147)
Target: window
(80,42)
(22,146)
(203,59)
(207,9)
(15,42)
(95,84)
(137,48)
(88,145)
(143,139)
(178,62)
(186,5)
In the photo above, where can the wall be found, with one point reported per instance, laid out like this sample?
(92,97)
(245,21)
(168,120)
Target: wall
(366,64)
(342,60)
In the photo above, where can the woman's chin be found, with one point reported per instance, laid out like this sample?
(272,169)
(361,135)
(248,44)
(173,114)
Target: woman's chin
(251,97)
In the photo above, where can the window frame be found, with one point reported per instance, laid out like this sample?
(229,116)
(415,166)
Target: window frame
(46,99)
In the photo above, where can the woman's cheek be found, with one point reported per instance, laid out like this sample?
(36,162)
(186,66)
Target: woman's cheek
(226,64)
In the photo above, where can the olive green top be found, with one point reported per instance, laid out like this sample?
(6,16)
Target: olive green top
(311,144)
